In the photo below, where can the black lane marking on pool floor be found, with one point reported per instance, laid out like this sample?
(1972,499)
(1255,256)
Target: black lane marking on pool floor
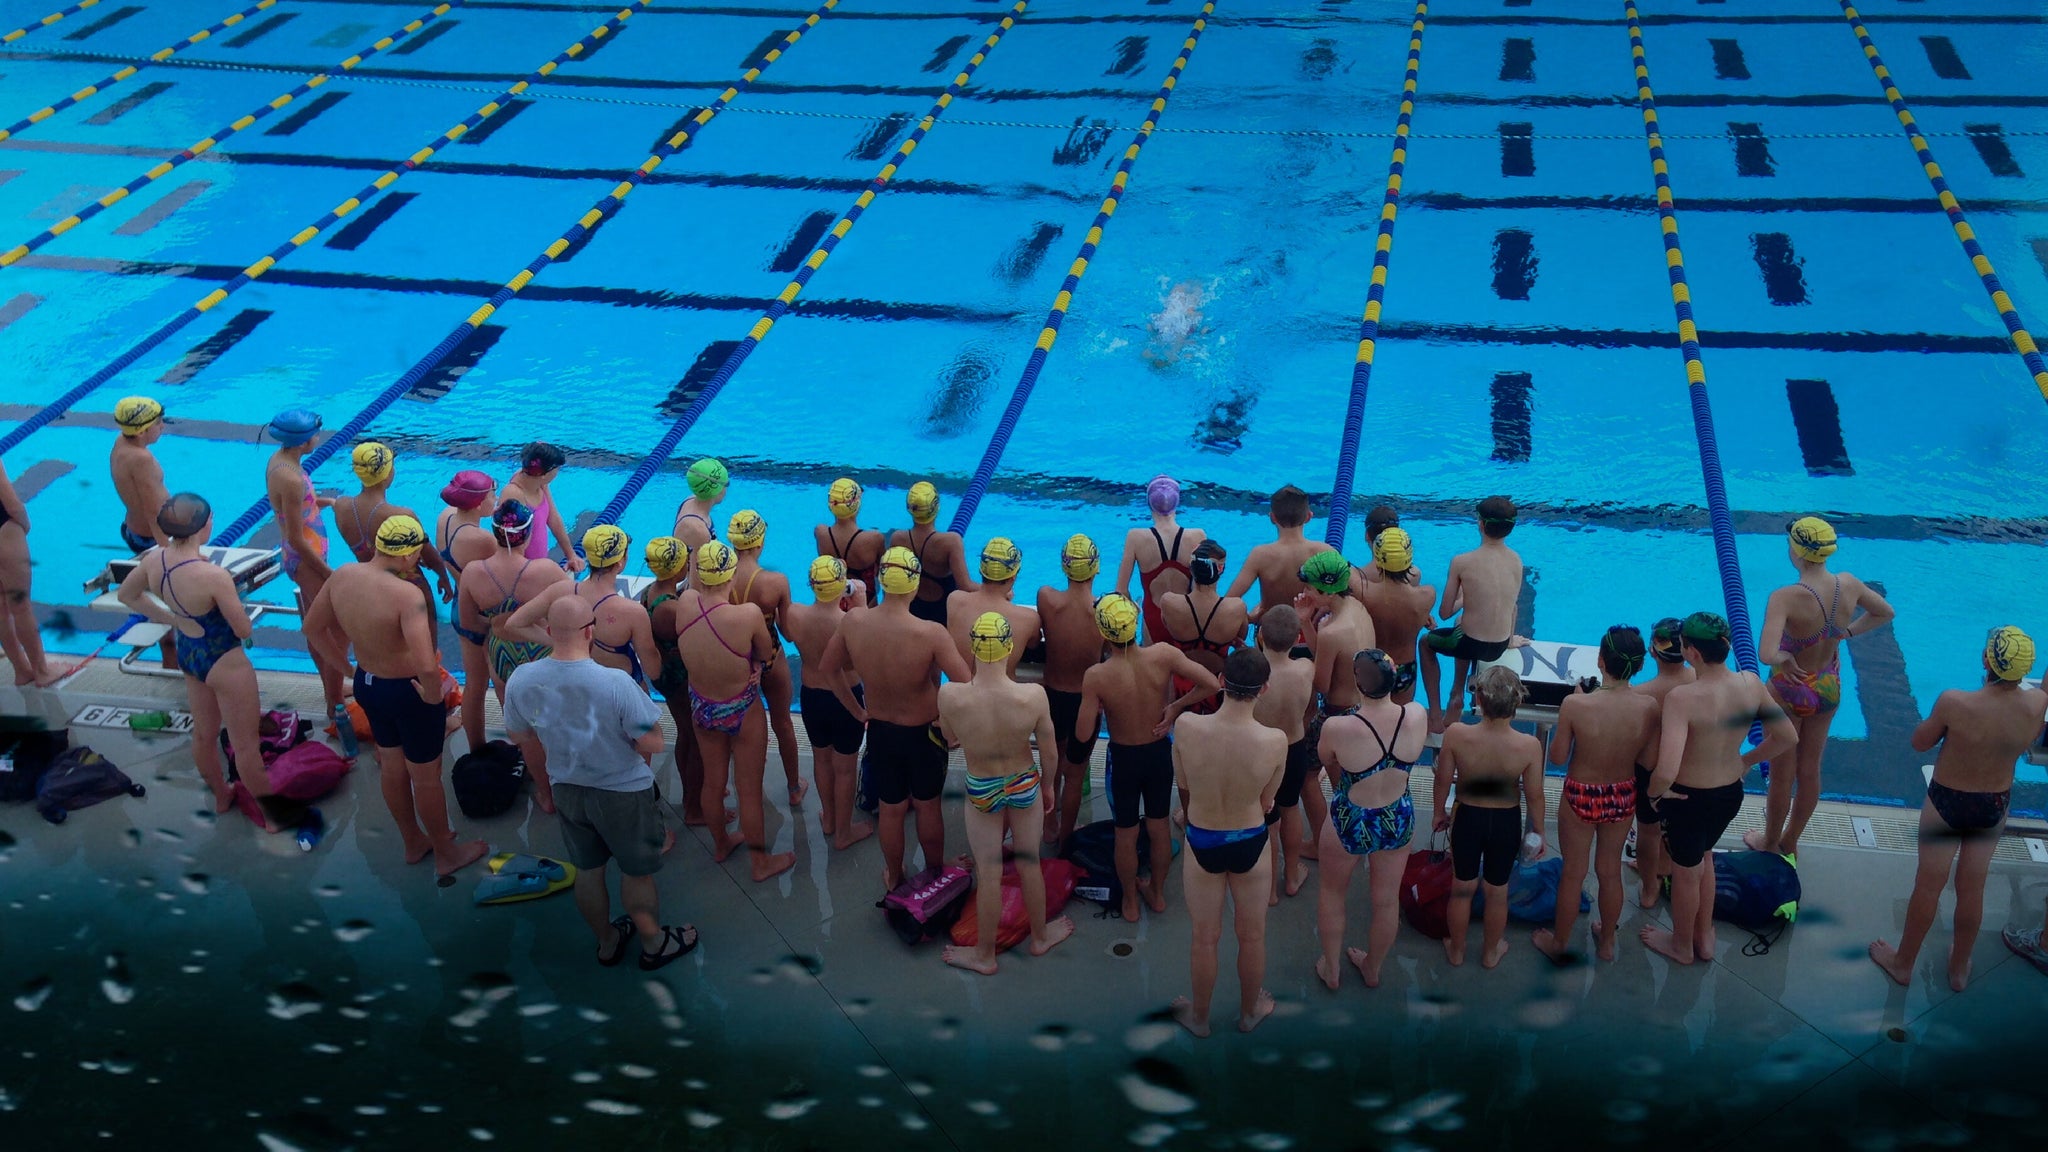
(1514,263)
(1082,144)
(259,31)
(1752,149)
(944,54)
(1518,59)
(700,371)
(16,307)
(1021,261)
(129,103)
(1890,712)
(1780,266)
(1517,149)
(754,59)
(681,123)
(351,235)
(166,206)
(802,239)
(1728,61)
(306,114)
(962,390)
(1818,421)
(882,135)
(40,475)
(1909,205)
(204,353)
(490,127)
(449,372)
(1989,141)
(1319,59)
(577,245)
(1942,57)
(1091,491)
(1512,410)
(102,24)
(427,36)
(1130,56)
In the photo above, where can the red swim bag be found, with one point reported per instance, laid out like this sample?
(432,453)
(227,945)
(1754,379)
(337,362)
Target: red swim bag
(307,772)
(1426,892)
(1015,925)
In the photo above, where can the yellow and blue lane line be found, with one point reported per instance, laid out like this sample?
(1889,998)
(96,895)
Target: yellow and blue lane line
(992,456)
(207,144)
(1718,514)
(156,57)
(1375,295)
(646,469)
(2022,340)
(604,208)
(46,21)
(254,271)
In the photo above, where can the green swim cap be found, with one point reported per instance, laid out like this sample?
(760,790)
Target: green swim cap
(708,478)
(1705,626)
(1327,572)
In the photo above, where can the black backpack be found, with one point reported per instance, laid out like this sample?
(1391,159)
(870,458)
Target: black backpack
(488,781)
(1092,850)
(24,757)
(80,778)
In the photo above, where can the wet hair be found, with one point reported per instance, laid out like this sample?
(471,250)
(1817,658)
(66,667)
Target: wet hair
(1207,566)
(1497,517)
(1290,507)
(540,458)
(1244,674)
(1621,651)
(1665,643)
(184,515)
(1498,691)
(1379,520)
(1280,627)
(1374,671)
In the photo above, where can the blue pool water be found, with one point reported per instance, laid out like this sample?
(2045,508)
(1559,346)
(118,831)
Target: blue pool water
(1527,261)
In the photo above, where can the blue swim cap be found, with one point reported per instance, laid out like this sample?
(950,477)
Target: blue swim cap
(294,427)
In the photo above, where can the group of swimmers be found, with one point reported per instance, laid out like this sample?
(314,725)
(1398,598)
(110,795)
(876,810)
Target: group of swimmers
(1237,709)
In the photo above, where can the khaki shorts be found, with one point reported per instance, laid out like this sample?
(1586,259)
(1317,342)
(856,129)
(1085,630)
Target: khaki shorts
(599,826)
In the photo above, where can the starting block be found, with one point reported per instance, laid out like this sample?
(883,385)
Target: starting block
(251,568)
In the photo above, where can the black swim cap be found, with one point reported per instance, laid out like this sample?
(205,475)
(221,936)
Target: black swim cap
(1207,565)
(1665,644)
(184,515)
(1374,671)
(1622,649)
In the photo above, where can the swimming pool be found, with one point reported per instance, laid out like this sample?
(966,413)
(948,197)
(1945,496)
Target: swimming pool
(1856,363)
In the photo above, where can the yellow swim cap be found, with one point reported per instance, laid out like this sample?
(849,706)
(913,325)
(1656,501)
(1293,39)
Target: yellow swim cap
(923,502)
(990,638)
(605,545)
(1116,618)
(372,462)
(1393,551)
(400,536)
(715,564)
(666,556)
(1813,538)
(136,413)
(900,571)
(1080,559)
(746,529)
(2009,653)
(707,478)
(1000,559)
(843,498)
(828,578)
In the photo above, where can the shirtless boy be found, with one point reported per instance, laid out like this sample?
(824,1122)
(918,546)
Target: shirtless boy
(1000,560)
(376,606)
(1399,604)
(834,733)
(1276,567)
(1230,767)
(1697,785)
(1073,645)
(1484,585)
(139,482)
(996,722)
(1602,734)
(1667,651)
(1488,762)
(1982,732)
(1131,688)
(1283,707)
(941,556)
(897,658)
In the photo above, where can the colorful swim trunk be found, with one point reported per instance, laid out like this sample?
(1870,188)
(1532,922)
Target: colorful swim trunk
(991,794)
(1601,803)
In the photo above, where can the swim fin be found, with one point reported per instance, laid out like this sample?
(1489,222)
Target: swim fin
(531,878)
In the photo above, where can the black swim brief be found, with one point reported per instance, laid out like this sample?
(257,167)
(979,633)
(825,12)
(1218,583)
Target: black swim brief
(827,723)
(907,761)
(400,719)
(1695,818)
(1453,642)
(1140,777)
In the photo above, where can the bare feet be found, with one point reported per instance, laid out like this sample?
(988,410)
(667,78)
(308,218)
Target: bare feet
(544,797)
(1130,907)
(970,959)
(1184,1011)
(1055,932)
(1296,877)
(1661,941)
(1328,975)
(1493,954)
(459,856)
(1366,965)
(1308,852)
(797,792)
(1647,897)
(1703,946)
(1958,978)
(1155,894)
(224,799)
(1518,641)
(1603,941)
(1455,955)
(1887,957)
(1546,942)
(1755,841)
(1261,1008)
(767,867)
(723,846)
(1438,721)
(855,833)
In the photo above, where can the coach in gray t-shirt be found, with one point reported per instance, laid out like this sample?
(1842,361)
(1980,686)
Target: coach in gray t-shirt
(591,732)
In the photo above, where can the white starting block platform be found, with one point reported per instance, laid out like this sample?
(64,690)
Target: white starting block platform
(1550,670)
(2038,754)
(251,568)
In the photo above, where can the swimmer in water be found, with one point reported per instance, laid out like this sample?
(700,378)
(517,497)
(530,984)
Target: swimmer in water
(1177,323)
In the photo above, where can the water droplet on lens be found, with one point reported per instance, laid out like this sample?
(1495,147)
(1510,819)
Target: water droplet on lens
(1157,1087)
(702,1120)
(132,837)
(872,1071)
(328,890)
(664,1000)
(804,965)
(1157,1029)
(608,1107)
(293,1000)
(637,1071)
(482,1134)
(1150,1135)
(167,834)
(984,1107)
(789,1107)
(118,986)
(276,1143)
(119,1064)
(914,1123)
(195,883)
(353,931)
(585,1077)
(1267,1141)
(33,994)
(593,1015)
(531,1010)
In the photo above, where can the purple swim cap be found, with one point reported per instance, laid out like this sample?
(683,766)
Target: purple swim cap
(1163,494)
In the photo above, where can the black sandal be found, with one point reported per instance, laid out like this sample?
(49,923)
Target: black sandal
(685,937)
(624,926)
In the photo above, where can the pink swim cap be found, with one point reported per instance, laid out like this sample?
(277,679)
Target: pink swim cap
(467,489)
(1163,494)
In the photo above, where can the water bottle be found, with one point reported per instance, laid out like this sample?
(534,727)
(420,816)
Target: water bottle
(311,829)
(1532,847)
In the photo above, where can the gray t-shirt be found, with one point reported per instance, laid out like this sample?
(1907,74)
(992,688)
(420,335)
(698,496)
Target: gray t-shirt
(586,716)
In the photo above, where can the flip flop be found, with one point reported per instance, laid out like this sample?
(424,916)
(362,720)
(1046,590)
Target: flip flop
(664,958)
(512,887)
(624,924)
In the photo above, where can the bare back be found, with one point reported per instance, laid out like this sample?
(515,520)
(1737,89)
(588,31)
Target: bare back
(1276,568)
(1133,688)
(1607,733)
(139,481)
(372,607)
(1230,765)
(1290,689)
(860,547)
(721,643)
(811,628)
(994,718)
(898,657)
(964,608)
(1349,744)
(1983,732)
(1710,718)
(1399,611)
(1488,761)
(1485,584)
(1073,644)
(1342,635)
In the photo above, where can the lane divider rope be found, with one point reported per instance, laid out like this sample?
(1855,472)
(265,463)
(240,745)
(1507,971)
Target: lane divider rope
(647,467)
(992,456)
(205,145)
(254,271)
(46,21)
(1719,517)
(1375,294)
(610,205)
(161,54)
(2022,340)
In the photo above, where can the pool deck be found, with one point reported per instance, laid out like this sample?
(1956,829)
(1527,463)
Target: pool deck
(227,988)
